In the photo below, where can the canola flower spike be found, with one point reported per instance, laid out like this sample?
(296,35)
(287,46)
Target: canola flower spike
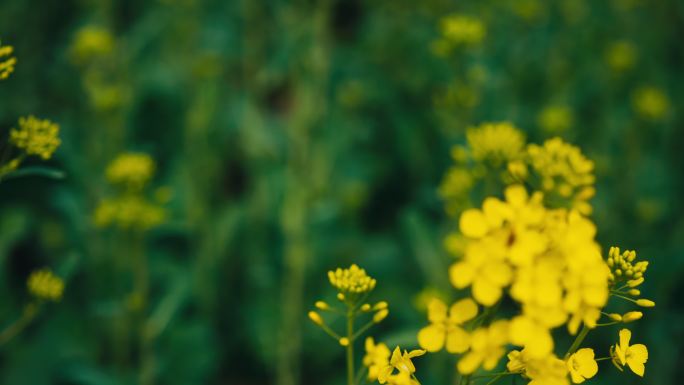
(625,268)
(495,142)
(634,356)
(351,281)
(564,172)
(651,103)
(132,170)
(555,118)
(45,285)
(7,61)
(462,29)
(35,136)
(91,42)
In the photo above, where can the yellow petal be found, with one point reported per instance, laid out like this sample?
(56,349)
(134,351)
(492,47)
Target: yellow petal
(485,292)
(637,355)
(473,223)
(469,363)
(461,274)
(588,366)
(462,311)
(457,341)
(516,195)
(431,338)
(625,335)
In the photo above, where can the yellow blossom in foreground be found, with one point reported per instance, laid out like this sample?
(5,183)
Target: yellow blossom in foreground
(36,136)
(45,285)
(582,365)
(376,358)
(487,346)
(404,368)
(447,329)
(131,169)
(7,61)
(635,356)
(353,280)
(651,103)
(495,142)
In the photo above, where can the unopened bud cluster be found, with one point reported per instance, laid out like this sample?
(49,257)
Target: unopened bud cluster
(353,280)
(624,267)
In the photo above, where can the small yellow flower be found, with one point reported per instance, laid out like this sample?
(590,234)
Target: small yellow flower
(462,29)
(447,329)
(376,358)
(7,61)
(487,346)
(91,42)
(555,118)
(635,356)
(403,365)
(132,170)
(353,280)
(621,56)
(495,142)
(651,103)
(582,365)
(45,285)
(36,136)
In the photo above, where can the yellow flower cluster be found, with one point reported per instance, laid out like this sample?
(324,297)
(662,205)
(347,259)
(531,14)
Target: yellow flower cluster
(132,170)
(36,136)
(400,369)
(495,142)
(91,42)
(564,172)
(7,61)
(555,118)
(353,280)
(621,56)
(130,209)
(45,285)
(624,267)
(651,103)
(462,29)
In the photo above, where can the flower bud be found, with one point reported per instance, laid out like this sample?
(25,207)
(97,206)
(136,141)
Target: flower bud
(344,341)
(635,282)
(340,296)
(380,305)
(615,317)
(365,307)
(632,316)
(645,303)
(322,305)
(316,318)
(634,292)
(380,315)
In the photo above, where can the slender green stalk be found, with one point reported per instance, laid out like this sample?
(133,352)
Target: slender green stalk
(578,340)
(17,326)
(350,347)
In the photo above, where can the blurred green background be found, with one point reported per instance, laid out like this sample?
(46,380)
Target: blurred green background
(298,136)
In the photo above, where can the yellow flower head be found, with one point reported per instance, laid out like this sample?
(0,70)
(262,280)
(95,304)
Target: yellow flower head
(132,170)
(582,365)
(462,29)
(565,173)
(7,61)
(544,370)
(447,329)
(495,142)
(455,188)
(621,56)
(129,212)
(91,42)
(625,268)
(555,118)
(353,280)
(635,356)
(36,136)
(43,284)
(651,103)
(376,358)
(487,346)
(403,365)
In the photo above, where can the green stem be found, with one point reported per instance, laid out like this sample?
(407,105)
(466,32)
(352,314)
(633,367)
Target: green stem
(602,359)
(580,337)
(350,347)
(495,379)
(362,330)
(17,326)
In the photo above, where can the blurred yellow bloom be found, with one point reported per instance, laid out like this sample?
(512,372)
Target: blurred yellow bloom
(445,328)
(132,170)
(353,280)
(91,42)
(620,56)
(544,370)
(555,118)
(462,29)
(635,356)
(7,61)
(495,142)
(487,346)
(582,365)
(651,103)
(36,136)
(129,212)
(376,358)
(43,284)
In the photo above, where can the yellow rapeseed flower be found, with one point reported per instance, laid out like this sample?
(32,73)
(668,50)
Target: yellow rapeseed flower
(353,280)
(400,369)
(544,370)
(445,329)
(131,169)
(625,268)
(635,356)
(129,212)
(651,103)
(495,142)
(463,29)
(582,365)
(620,56)
(44,284)
(376,358)
(487,346)
(36,136)
(7,61)
(555,118)
(91,42)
